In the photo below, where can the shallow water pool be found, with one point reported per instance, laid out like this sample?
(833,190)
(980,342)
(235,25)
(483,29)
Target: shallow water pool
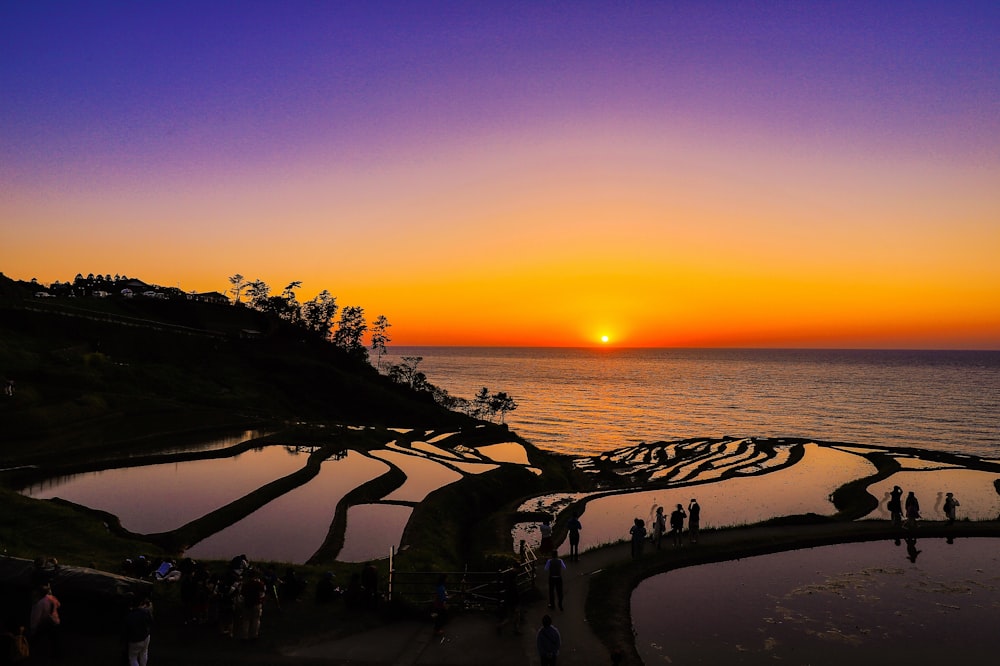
(922,602)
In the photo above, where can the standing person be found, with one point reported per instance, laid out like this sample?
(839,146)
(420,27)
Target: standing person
(950,504)
(555,568)
(677,517)
(895,506)
(659,527)
(254,592)
(440,605)
(369,581)
(912,507)
(694,520)
(549,642)
(574,526)
(43,627)
(138,627)
(638,532)
(546,531)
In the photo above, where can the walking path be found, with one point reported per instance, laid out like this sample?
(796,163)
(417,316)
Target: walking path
(472,638)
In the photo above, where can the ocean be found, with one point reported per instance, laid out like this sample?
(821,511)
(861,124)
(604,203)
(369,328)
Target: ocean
(583,401)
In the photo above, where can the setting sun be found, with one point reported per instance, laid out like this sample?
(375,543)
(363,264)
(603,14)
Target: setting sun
(604,339)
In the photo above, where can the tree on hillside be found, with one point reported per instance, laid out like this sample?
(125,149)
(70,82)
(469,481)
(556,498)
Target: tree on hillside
(350,332)
(481,404)
(380,338)
(258,294)
(239,284)
(501,403)
(405,372)
(318,313)
(288,306)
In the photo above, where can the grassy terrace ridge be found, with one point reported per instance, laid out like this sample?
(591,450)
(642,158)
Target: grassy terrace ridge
(610,590)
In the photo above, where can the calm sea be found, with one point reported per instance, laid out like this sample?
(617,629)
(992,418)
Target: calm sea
(585,401)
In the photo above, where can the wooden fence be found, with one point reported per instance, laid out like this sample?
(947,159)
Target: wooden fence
(467,590)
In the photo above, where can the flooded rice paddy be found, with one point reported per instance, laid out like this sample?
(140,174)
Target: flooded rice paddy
(760,487)
(736,482)
(157,498)
(923,602)
(292,527)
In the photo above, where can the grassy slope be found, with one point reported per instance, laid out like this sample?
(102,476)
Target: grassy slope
(98,379)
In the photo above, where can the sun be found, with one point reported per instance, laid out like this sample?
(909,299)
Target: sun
(605,339)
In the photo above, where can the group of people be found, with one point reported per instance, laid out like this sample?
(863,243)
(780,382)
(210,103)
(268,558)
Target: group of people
(910,508)
(638,532)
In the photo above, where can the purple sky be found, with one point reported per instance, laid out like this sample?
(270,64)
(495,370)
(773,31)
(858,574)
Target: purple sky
(312,140)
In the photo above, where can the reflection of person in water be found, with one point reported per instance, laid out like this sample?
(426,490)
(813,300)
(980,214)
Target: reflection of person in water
(911,549)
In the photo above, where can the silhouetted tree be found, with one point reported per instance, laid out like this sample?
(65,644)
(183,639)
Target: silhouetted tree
(287,305)
(239,284)
(258,293)
(405,372)
(350,331)
(481,403)
(318,313)
(501,403)
(380,338)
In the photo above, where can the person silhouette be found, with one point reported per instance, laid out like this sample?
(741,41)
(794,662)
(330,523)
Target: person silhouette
(950,504)
(549,642)
(545,530)
(677,517)
(694,520)
(912,508)
(555,567)
(911,549)
(895,506)
(659,527)
(638,533)
(574,526)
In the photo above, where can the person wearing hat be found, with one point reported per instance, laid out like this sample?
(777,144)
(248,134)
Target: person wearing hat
(694,520)
(950,504)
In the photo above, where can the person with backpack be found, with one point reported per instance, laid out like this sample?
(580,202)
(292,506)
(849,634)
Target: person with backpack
(555,567)
(549,642)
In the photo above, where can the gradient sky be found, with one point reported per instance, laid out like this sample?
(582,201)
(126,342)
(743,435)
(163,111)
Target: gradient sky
(808,174)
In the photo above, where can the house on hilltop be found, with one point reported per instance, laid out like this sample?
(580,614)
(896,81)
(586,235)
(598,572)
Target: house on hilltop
(210,297)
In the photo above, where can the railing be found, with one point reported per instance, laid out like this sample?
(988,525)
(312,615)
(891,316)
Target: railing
(467,590)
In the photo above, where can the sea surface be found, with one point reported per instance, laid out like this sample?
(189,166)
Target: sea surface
(587,401)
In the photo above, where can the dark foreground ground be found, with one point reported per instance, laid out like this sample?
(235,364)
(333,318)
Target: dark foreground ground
(594,623)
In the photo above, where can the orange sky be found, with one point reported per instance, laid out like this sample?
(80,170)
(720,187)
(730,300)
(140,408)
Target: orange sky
(656,199)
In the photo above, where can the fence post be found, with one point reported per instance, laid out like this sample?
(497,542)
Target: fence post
(392,550)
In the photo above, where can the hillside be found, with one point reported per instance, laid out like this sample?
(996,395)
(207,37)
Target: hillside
(100,376)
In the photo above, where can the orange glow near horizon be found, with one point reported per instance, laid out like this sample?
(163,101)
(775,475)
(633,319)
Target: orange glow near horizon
(656,174)
(519,257)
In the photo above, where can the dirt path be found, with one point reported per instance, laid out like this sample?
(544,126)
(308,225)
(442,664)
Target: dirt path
(597,591)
